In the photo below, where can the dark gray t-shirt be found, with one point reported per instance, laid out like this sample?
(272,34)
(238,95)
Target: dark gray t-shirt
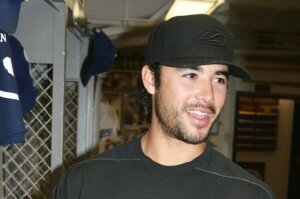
(126,172)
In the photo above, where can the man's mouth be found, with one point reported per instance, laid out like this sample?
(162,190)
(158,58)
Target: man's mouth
(200,117)
(200,114)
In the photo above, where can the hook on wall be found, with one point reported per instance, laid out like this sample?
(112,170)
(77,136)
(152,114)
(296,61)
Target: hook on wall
(52,4)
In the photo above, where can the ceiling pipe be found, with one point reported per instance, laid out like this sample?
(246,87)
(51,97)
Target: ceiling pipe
(118,26)
(137,22)
(277,53)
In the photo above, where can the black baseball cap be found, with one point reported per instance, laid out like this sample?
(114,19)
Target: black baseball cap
(193,40)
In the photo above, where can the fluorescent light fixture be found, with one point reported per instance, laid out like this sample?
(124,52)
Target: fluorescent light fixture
(190,7)
(79,15)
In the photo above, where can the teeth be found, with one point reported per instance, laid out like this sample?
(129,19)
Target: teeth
(199,113)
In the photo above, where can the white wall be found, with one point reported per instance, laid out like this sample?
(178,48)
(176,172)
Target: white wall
(73,55)
(36,30)
(224,139)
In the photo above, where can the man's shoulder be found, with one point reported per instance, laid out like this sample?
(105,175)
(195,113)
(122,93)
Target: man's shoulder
(223,167)
(124,152)
(227,167)
(102,166)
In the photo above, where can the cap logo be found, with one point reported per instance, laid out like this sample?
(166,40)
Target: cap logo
(210,36)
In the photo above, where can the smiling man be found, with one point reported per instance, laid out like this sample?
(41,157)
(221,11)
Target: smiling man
(184,84)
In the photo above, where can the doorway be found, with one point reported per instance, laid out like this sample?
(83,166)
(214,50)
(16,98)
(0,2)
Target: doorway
(294,176)
(264,139)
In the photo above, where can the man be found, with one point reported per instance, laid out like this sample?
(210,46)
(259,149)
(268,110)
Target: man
(185,79)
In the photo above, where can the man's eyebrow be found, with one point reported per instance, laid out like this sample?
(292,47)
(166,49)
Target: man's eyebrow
(223,72)
(190,67)
(219,72)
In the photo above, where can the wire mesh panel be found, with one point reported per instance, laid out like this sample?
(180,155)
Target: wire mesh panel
(27,166)
(70,123)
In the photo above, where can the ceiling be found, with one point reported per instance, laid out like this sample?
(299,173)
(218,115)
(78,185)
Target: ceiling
(267,31)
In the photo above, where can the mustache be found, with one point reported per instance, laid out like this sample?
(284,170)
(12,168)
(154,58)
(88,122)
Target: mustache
(205,105)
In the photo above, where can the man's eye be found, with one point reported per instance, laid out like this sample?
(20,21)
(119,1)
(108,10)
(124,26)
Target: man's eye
(191,76)
(220,80)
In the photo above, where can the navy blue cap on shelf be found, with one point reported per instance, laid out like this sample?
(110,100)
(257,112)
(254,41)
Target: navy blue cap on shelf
(100,56)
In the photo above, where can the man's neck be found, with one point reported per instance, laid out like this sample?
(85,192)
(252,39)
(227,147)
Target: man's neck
(169,151)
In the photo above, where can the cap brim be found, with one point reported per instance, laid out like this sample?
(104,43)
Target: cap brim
(84,73)
(234,70)
(239,71)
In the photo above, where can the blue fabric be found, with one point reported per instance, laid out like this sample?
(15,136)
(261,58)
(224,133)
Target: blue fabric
(26,90)
(101,55)
(12,129)
(9,15)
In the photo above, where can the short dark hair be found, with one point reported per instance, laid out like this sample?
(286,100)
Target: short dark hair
(145,96)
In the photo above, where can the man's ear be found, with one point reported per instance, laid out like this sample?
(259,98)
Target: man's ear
(148,79)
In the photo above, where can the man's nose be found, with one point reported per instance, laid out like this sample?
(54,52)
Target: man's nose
(204,91)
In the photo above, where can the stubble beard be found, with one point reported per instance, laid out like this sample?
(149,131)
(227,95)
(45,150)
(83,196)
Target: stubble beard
(172,124)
